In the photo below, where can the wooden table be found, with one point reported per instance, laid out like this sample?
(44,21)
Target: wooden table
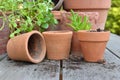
(66,69)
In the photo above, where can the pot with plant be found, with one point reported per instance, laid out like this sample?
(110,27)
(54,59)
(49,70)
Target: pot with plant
(100,6)
(32,15)
(92,42)
(77,23)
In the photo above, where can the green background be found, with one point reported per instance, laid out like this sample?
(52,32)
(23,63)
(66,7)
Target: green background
(113,19)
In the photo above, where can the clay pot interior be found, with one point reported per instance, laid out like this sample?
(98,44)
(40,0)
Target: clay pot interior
(55,1)
(34,46)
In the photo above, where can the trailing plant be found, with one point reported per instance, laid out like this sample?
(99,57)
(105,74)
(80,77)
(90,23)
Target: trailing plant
(79,23)
(7,5)
(30,15)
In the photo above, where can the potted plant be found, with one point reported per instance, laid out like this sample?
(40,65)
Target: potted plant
(31,15)
(77,22)
(100,6)
(58,44)
(92,42)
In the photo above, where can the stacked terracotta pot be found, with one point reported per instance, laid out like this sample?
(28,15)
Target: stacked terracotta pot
(100,6)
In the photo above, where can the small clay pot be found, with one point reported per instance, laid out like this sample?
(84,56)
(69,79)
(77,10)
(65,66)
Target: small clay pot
(93,44)
(27,47)
(58,44)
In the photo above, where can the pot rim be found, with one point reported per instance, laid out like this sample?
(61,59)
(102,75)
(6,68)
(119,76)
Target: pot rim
(93,4)
(42,54)
(84,35)
(86,31)
(58,32)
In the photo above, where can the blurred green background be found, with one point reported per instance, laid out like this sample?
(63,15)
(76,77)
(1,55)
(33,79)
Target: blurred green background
(113,19)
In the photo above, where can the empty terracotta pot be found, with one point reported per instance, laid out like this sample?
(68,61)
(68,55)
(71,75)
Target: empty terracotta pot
(27,47)
(93,44)
(58,44)
(100,6)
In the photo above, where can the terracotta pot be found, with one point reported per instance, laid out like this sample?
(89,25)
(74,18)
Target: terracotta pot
(93,44)
(100,6)
(58,44)
(58,4)
(75,47)
(58,16)
(4,35)
(93,17)
(27,47)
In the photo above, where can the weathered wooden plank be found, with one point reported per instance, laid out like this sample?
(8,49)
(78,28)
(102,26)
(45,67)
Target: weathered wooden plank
(46,70)
(2,56)
(92,71)
(114,44)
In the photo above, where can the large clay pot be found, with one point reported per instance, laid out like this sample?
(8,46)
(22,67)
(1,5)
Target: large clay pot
(27,47)
(93,44)
(58,44)
(4,34)
(100,6)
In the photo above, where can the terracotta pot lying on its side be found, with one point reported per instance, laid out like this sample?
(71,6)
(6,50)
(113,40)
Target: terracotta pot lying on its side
(93,44)
(58,44)
(100,6)
(27,47)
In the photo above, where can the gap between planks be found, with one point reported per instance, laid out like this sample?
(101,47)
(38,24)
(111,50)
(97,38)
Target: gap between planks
(113,53)
(2,56)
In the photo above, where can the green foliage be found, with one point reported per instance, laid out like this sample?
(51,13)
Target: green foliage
(9,5)
(29,15)
(77,23)
(113,20)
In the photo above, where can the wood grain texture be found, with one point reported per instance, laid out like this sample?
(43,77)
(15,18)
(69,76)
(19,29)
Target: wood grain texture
(12,70)
(2,56)
(92,71)
(114,44)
